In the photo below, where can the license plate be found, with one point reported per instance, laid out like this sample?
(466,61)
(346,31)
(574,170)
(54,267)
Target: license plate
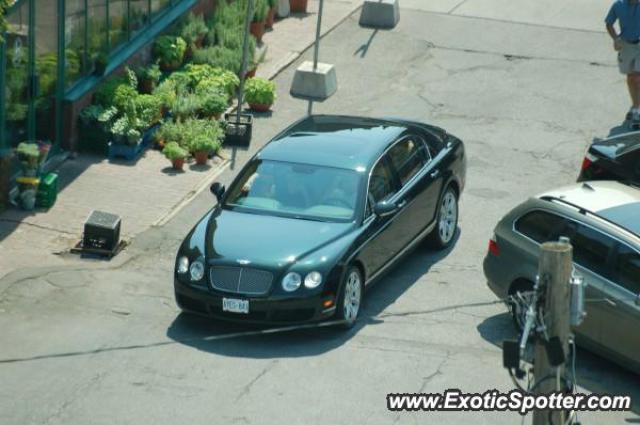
(233,305)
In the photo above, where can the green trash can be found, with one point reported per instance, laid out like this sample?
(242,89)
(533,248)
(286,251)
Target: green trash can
(47,191)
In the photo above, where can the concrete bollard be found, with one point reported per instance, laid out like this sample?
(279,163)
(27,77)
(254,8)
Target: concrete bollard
(318,84)
(380,13)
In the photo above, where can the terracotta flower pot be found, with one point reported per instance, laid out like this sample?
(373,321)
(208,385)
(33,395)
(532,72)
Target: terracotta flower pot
(298,6)
(271,17)
(178,164)
(260,107)
(251,73)
(257,29)
(201,157)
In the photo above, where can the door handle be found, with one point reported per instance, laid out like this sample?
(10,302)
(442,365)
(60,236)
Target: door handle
(401,204)
(610,302)
(435,174)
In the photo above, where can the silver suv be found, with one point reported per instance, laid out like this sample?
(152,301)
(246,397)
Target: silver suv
(602,219)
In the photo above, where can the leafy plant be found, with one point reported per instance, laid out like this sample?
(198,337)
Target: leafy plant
(148,77)
(148,109)
(124,131)
(182,82)
(122,95)
(105,93)
(173,151)
(169,50)
(29,155)
(100,63)
(260,91)
(94,115)
(220,77)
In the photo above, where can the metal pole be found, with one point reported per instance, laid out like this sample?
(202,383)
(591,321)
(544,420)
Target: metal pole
(555,269)
(316,49)
(245,54)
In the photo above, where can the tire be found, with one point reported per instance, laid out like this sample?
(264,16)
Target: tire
(350,298)
(446,227)
(523,289)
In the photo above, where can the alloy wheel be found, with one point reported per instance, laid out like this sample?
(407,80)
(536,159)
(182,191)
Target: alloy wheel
(352,297)
(448,217)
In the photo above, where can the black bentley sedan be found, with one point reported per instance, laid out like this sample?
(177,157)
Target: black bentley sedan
(316,215)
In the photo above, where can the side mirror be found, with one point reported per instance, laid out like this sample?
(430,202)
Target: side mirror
(218,190)
(384,208)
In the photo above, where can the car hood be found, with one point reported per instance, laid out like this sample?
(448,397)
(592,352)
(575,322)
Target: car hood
(264,240)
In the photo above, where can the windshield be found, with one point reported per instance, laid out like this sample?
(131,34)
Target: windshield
(297,191)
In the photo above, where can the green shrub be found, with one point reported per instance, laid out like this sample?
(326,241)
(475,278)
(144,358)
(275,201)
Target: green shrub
(105,93)
(148,109)
(219,56)
(204,144)
(186,106)
(96,115)
(148,77)
(261,10)
(194,29)
(182,82)
(173,151)
(166,93)
(213,101)
(169,50)
(261,91)
(123,94)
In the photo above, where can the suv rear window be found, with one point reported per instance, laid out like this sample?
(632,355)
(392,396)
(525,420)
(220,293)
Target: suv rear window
(541,226)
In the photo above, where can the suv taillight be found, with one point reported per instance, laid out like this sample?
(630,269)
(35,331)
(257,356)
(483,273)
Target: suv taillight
(494,249)
(588,160)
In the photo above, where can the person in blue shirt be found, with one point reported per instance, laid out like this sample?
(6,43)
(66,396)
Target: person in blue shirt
(627,44)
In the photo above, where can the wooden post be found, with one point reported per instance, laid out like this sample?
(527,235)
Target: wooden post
(554,270)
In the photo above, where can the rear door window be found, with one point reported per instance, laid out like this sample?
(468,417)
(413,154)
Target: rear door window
(627,267)
(592,250)
(407,157)
(541,226)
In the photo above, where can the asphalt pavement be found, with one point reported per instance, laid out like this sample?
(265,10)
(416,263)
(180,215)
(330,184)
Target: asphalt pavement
(104,343)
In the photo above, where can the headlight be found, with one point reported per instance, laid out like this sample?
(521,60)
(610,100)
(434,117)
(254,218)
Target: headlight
(313,280)
(183,265)
(196,270)
(291,282)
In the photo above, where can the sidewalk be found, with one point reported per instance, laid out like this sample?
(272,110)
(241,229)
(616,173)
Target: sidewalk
(144,193)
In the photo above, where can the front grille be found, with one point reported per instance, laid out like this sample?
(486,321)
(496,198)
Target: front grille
(241,280)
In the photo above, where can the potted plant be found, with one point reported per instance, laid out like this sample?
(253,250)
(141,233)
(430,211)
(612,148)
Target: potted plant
(259,18)
(169,51)
(100,63)
(186,106)
(213,102)
(29,157)
(193,33)
(201,147)
(271,15)
(174,153)
(260,94)
(148,78)
(166,92)
(298,6)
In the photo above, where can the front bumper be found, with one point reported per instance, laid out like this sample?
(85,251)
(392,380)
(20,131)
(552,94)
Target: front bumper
(269,310)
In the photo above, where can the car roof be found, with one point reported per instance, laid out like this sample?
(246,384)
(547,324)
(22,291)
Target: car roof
(618,145)
(611,200)
(334,140)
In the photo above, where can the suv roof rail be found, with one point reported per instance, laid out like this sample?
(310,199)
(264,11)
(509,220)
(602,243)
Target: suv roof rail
(584,211)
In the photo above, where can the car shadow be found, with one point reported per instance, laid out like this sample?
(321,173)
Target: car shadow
(593,372)
(240,340)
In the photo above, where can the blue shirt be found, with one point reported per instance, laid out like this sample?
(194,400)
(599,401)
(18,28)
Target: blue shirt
(628,15)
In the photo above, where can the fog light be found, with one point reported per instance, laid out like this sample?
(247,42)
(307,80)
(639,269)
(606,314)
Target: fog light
(327,303)
(183,265)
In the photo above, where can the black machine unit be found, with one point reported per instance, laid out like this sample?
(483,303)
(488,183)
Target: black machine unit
(101,231)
